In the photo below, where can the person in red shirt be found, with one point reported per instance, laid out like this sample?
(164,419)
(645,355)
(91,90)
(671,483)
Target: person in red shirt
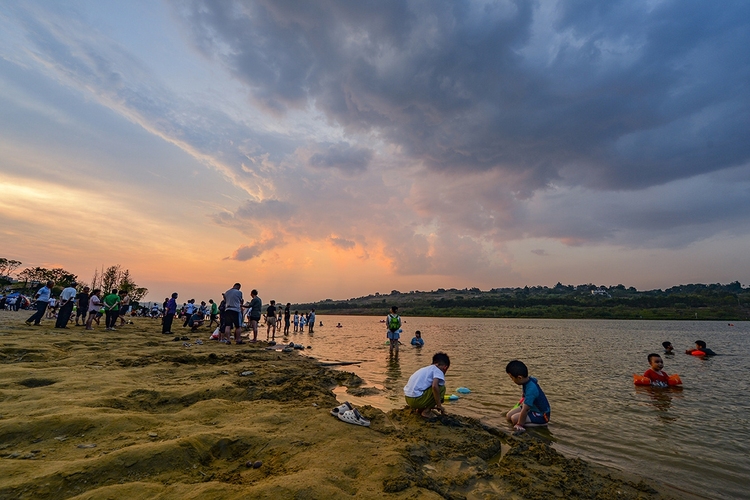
(658,377)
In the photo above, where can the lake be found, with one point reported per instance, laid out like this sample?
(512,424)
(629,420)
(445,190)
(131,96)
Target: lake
(696,438)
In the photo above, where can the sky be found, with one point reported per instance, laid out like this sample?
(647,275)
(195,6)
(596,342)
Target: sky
(333,149)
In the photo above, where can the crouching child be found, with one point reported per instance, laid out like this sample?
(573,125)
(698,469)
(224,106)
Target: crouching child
(533,409)
(426,387)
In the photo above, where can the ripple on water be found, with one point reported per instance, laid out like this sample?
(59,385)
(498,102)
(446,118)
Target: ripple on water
(585,367)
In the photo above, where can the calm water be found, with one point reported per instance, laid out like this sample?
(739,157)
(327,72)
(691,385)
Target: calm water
(697,438)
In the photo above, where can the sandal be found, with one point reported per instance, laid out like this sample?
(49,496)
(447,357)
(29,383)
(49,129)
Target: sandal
(341,409)
(354,417)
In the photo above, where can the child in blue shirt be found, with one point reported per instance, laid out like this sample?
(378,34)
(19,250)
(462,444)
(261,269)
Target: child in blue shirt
(533,409)
(417,341)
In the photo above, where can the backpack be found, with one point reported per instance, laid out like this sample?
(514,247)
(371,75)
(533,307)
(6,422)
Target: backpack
(394,322)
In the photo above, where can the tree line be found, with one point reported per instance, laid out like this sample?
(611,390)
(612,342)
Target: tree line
(30,278)
(694,301)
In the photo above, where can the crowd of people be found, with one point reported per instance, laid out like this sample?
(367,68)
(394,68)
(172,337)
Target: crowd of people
(232,315)
(84,306)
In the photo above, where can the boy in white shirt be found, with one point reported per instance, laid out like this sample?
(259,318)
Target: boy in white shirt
(426,387)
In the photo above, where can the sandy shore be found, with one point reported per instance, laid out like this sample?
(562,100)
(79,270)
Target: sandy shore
(133,414)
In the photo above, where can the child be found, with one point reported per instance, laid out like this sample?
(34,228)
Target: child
(533,409)
(668,348)
(417,341)
(296,321)
(393,323)
(426,387)
(658,377)
(700,346)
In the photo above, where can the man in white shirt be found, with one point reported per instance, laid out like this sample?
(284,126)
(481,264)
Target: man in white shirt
(67,301)
(42,301)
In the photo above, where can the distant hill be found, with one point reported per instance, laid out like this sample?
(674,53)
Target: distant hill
(730,302)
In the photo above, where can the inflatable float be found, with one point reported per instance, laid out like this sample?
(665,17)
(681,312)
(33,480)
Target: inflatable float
(463,390)
(674,380)
(450,397)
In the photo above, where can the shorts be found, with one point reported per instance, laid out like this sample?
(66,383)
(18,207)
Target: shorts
(82,311)
(232,319)
(394,335)
(426,400)
(538,418)
(124,311)
(286,321)
(271,321)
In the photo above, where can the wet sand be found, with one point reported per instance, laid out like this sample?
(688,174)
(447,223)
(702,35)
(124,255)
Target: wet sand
(134,414)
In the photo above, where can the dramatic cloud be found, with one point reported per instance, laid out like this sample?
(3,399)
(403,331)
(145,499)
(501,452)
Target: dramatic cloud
(418,143)
(623,95)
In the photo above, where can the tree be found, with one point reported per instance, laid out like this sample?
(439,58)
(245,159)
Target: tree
(111,278)
(114,277)
(8,266)
(33,274)
(59,276)
(127,284)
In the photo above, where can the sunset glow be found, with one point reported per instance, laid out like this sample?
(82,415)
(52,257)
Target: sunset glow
(339,149)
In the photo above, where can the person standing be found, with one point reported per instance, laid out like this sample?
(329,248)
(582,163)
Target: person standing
(256,304)
(52,309)
(67,301)
(233,313)
(170,309)
(311,322)
(94,305)
(42,301)
(111,309)
(124,306)
(214,312)
(393,325)
(287,318)
(271,320)
(83,305)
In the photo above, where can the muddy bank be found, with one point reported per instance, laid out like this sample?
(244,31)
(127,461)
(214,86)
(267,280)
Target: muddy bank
(132,414)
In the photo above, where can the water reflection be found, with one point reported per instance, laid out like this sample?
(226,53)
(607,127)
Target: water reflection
(392,380)
(661,399)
